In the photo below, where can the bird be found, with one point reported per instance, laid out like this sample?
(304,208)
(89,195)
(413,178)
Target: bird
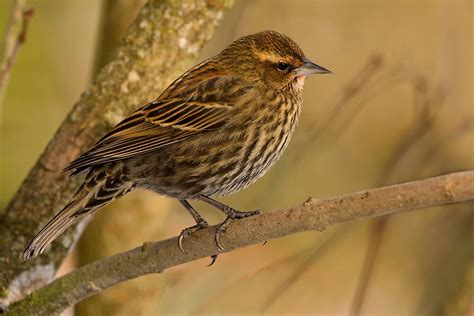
(212,132)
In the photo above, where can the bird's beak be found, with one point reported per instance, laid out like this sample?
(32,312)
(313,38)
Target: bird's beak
(310,68)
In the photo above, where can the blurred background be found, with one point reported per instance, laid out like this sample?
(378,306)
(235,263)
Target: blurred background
(398,107)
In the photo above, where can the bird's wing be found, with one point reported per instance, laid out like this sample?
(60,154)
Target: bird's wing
(195,103)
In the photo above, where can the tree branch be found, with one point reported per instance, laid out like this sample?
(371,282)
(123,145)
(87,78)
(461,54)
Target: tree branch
(15,36)
(314,214)
(164,40)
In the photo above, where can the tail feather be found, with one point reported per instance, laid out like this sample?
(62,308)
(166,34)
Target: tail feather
(55,227)
(98,190)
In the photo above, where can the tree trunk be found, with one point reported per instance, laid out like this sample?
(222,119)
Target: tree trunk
(163,41)
(129,221)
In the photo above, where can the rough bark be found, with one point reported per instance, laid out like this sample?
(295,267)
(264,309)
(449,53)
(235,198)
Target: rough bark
(164,40)
(314,214)
(116,17)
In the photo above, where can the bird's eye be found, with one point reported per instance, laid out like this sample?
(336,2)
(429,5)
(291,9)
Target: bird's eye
(282,66)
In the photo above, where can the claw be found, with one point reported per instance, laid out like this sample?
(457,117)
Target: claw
(180,242)
(218,243)
(221,229)
(188,231)
(236,215)
(213,259)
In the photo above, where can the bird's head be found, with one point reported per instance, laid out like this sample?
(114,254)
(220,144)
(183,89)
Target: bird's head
(271,59)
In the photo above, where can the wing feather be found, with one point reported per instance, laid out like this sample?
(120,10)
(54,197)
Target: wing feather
(182,111)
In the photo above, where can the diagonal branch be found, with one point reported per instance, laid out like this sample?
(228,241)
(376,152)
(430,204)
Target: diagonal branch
(314,214)
(164,41)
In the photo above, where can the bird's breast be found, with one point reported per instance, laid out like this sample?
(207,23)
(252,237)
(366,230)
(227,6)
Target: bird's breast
(265,140)
(224,161)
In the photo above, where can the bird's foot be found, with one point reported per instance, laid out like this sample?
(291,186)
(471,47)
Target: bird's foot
(188,231)
(232,215)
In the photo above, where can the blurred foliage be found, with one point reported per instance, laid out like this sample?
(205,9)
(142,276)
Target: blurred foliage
(51,70)
(398,107)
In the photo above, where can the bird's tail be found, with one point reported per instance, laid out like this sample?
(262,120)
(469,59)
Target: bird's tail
(99,189)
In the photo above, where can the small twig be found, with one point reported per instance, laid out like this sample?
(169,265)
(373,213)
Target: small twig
(13,23)
(21,38)
(245,279)
(384,81)
(435,149)
(155,257)
(375,240)
(369,82)
(427,111)
(12,44)
(352,89)
(315,251)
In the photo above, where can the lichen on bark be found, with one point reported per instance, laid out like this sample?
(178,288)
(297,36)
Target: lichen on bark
(164,40)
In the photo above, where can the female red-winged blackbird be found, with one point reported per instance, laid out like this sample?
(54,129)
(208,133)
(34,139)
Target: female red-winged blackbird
(213,131)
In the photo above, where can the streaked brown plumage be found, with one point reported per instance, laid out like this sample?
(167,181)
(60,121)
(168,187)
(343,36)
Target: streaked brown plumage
(213,131)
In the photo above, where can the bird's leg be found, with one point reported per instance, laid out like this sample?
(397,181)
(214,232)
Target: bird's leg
(200,223)
(231,213)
